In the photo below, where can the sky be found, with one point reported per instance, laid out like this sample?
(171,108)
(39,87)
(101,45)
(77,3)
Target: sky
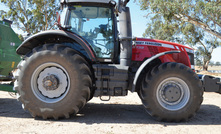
(139,22)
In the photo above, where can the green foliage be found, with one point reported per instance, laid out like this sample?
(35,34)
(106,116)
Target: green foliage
(20,37)
(31,16)
(193,22)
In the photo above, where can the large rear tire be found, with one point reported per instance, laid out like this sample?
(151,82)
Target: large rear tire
(53,81)
(172,92)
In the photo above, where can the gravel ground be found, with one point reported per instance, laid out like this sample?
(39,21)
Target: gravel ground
(120,115)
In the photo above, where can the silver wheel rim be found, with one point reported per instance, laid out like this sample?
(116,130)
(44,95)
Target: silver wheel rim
(173,93)
(37,82)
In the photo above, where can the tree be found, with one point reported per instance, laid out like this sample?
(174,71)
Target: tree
(198,59)
(211,63)
(31,16)
(217,63)
(193,22)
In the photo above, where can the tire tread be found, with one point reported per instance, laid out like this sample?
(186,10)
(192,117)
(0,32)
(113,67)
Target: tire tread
(84,71)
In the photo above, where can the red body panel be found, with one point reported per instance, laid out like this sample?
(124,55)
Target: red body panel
(145,48)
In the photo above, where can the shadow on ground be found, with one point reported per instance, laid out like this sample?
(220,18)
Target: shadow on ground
(135,114)
(94,113)
(12,108)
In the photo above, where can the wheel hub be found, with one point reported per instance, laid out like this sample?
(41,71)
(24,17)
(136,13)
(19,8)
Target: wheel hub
(50,82)
(171,93)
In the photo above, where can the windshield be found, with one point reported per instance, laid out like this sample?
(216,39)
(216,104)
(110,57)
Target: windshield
(94,24)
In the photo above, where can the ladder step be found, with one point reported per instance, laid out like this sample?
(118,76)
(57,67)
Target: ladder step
(103,98)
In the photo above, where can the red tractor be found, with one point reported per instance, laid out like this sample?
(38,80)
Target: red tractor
(62,70)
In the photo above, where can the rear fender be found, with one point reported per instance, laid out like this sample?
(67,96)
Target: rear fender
(145,63)
(54,36)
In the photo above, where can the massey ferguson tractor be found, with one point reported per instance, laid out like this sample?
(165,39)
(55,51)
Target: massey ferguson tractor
(94,55)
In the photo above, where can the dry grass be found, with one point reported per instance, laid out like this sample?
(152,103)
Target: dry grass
(209,68)
(209,73)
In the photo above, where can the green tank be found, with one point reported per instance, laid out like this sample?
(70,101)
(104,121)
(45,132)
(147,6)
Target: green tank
(9,42)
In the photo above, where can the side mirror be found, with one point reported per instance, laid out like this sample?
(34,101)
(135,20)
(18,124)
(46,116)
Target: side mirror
(121,4)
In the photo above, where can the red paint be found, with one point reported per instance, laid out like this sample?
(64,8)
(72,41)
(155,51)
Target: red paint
(145,48)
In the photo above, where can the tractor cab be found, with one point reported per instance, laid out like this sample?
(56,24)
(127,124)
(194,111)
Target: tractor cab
(94,22)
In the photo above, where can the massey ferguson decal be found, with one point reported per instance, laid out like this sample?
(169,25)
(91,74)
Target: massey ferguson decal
(154,44)
(148,43)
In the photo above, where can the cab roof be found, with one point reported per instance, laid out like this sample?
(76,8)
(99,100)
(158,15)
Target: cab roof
(86,1)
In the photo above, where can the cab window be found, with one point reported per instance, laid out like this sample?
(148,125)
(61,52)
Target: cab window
(95,25)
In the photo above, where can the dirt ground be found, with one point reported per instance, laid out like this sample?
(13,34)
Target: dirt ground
(120,115)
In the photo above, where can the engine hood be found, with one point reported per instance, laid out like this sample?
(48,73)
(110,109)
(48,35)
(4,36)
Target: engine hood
(145,48)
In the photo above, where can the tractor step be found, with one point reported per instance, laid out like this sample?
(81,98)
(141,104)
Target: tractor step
(111,80)
(105,98)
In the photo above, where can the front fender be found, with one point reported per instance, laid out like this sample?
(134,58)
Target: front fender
(145,63)
(53,36)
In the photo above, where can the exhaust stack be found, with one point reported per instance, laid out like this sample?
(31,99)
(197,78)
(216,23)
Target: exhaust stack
(125,37)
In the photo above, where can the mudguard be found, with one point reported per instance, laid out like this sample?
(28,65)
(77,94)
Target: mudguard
(144,64)
(53,36)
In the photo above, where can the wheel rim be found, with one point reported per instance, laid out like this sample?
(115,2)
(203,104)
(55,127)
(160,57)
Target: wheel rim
(173,93)
(50,82)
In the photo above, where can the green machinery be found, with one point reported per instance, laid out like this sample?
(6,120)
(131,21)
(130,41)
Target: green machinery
(9,42)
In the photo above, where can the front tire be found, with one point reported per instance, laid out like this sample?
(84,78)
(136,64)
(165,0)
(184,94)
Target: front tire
(54,81)
(171,92)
